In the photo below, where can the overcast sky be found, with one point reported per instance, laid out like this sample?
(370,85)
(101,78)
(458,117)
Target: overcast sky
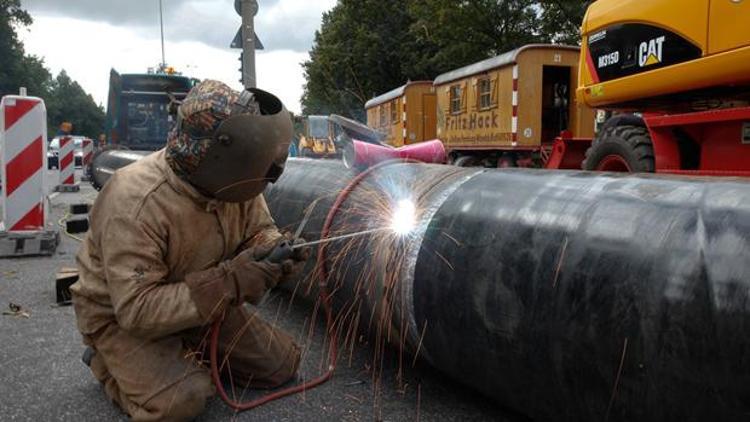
(88,37)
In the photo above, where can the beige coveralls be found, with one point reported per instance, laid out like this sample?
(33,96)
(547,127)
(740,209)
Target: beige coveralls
(150,231)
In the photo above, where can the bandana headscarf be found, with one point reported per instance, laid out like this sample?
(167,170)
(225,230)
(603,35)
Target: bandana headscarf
(205,107)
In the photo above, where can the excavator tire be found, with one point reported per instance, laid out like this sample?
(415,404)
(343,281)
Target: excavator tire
(624,148)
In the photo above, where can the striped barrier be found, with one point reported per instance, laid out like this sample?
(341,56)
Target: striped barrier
(87,147)
(66,160)
(23,136)
(88,152)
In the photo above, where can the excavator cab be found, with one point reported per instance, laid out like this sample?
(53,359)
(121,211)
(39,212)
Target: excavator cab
(318,139)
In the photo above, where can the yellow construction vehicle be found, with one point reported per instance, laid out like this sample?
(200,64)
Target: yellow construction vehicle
(318,139)
(677,73)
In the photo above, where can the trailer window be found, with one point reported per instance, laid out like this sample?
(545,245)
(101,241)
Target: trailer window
(455,99)
(394,112)
(485,93)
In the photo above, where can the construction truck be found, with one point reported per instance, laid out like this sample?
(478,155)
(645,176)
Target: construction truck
(138,108)
(318,139)
(676,73)
(325,136)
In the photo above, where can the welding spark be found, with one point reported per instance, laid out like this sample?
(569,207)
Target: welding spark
(404,217)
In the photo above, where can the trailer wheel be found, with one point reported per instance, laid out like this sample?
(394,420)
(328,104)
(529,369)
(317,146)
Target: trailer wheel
(466,161)
(621,149)
(306,153)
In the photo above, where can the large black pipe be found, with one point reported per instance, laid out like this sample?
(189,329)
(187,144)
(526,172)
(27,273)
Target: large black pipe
(564,295)
(107,161)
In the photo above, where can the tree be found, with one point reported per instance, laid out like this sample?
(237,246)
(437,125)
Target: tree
(11,49)
(64,98)
(68,102)
(355,55)
(447,34)
(561,20)
(368,47)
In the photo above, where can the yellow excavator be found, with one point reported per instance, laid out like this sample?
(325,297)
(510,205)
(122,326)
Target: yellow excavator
(676,75)
(318,139)
(325,136)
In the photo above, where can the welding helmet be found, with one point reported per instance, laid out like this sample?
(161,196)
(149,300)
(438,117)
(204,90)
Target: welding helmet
(245,148)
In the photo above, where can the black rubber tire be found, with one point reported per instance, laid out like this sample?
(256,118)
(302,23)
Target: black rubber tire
(623,120)
(466,161)
(631,143)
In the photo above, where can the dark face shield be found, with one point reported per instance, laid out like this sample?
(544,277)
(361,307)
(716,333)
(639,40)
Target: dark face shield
(248,152)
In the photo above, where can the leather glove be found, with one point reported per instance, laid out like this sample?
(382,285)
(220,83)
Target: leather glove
(295,264)
(245,278)
(250,276)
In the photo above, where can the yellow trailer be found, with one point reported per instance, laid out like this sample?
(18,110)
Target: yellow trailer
(508,110)
(405,115)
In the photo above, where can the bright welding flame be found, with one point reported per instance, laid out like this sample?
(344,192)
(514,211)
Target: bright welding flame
(404,217)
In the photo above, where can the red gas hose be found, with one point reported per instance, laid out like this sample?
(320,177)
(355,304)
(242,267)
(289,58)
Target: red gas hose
(323,296)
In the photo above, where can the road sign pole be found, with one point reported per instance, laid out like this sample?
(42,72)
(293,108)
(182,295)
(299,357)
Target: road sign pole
(249,8)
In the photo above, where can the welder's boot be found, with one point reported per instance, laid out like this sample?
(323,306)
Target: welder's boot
(88,355)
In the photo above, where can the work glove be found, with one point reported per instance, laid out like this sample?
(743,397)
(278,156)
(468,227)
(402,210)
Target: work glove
(244,278)
(251,276)
(293,266)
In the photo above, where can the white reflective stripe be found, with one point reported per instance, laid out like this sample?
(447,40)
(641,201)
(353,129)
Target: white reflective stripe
(66,172)
(25,131)
(515,72)
(29,195)
(68,148)
(515,98)
(404,132)
(404,116)
(514,124)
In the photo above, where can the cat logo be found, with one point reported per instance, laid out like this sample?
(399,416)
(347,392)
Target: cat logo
(650,52)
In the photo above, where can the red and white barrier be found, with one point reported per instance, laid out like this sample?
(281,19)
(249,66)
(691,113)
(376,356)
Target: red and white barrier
(67,162)
(88,152)
(23,136)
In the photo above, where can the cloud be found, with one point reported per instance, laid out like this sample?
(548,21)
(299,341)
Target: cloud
(87,50)
(281,24)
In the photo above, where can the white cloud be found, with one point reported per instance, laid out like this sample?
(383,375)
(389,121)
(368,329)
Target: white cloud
(281,24)
(88,49)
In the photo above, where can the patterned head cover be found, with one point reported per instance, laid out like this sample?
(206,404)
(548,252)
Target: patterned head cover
(200,114)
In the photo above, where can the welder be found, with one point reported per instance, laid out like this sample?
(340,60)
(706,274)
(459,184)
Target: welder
(180,240)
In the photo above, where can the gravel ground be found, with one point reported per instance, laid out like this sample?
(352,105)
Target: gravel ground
(44,379)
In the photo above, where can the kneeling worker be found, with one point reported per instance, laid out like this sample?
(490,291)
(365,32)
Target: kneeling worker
(178,241)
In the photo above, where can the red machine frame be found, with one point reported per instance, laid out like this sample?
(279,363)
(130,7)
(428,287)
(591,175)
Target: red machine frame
(722,135)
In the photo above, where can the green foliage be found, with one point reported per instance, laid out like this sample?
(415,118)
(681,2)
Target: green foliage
(64,98)
(450,34)
(68,102)
(11,49)
(368,47)
(356,54)
(561,20)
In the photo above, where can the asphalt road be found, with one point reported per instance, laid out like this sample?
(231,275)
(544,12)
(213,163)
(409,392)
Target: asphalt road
(42,377)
